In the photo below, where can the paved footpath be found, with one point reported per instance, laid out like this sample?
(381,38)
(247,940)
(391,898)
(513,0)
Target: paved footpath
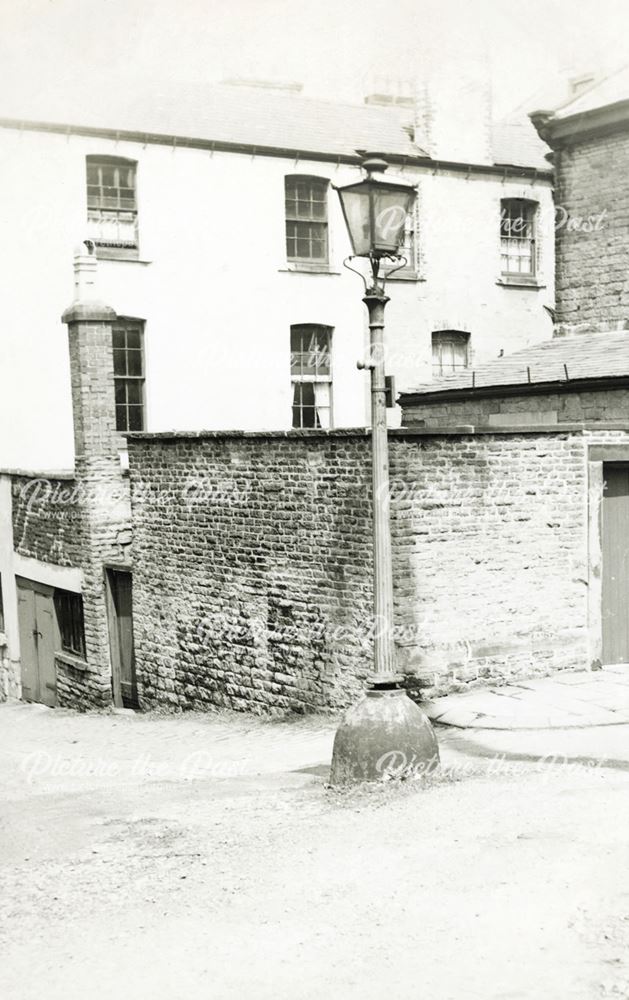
(565,700)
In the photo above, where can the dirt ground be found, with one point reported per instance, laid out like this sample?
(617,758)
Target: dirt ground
(203,857)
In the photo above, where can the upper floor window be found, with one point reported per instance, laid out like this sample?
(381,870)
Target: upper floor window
(517,236)
(409,250)
(450,352)
(128,347)
(306,206)
(311,375)
(69,610)
(409,246)
(112,213)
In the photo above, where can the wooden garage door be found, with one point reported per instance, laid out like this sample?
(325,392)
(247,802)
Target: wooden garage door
(37,642)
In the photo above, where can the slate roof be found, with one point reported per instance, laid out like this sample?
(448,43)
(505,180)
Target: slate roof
(610,90)
(242,116)
(515,142)
(586,356)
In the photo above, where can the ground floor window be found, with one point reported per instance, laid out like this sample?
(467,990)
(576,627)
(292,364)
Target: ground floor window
(450,352)
(69,610)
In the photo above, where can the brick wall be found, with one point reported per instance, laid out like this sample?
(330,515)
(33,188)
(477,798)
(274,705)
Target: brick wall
(592,257)
(252,572)
(561,407)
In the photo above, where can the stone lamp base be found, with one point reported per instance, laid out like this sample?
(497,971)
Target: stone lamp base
(385,735)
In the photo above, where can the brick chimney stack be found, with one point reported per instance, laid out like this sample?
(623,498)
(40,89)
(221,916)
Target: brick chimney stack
(91,362)
(102,492)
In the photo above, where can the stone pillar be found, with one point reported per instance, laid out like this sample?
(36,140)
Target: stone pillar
(102,491)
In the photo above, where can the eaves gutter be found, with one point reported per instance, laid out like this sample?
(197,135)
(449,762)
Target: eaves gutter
(420,160)
(557,131)
(460,394)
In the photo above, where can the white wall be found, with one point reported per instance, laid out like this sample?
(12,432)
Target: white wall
(214,289)
(460,250)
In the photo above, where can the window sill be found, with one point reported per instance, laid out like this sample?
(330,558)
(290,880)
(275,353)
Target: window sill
(518,281)
(445,377)
(70,660)
(405,276)
(126,258)
(308,268)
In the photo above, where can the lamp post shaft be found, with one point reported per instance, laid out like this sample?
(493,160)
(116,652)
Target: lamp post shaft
(384,651)
(385,723)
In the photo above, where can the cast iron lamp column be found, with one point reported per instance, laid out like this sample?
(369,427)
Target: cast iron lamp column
(384,659)
(385,734)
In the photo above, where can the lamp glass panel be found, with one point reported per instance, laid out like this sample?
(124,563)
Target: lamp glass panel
(391,209)
(356,210)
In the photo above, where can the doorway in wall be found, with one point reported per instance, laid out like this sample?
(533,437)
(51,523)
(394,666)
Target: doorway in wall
(120,614)
(615,550)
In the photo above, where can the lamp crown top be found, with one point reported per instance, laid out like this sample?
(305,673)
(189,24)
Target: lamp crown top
(374,164)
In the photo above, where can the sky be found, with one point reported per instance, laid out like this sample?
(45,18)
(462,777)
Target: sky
(338,49)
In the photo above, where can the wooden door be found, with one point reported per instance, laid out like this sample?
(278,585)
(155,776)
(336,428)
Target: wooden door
(28,648)
(37,642)
(120,605)
(615,531)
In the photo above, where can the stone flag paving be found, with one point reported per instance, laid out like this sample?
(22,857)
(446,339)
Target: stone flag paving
(565,700)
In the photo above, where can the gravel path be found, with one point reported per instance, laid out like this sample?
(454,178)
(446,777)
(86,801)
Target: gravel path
(500,885)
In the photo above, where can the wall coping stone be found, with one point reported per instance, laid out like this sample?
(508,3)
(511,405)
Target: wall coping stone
(65,474)
(436,430)
(89,312)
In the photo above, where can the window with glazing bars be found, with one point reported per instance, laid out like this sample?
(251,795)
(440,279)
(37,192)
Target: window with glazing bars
(112,214)
(128,346)
(69,611)
(450,352)
(311,375)
(306,205)
(517,236)
(409,248)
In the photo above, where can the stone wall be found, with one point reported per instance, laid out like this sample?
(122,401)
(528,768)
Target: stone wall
(252,567)
(7,678)
(592,258)
(83,523)
(549,408)
(490,556)
(48,519)
(252,570)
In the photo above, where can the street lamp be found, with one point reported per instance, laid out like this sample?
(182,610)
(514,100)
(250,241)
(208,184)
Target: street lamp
(385,732)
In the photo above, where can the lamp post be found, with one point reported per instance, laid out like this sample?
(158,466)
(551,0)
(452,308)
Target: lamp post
(385,733)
